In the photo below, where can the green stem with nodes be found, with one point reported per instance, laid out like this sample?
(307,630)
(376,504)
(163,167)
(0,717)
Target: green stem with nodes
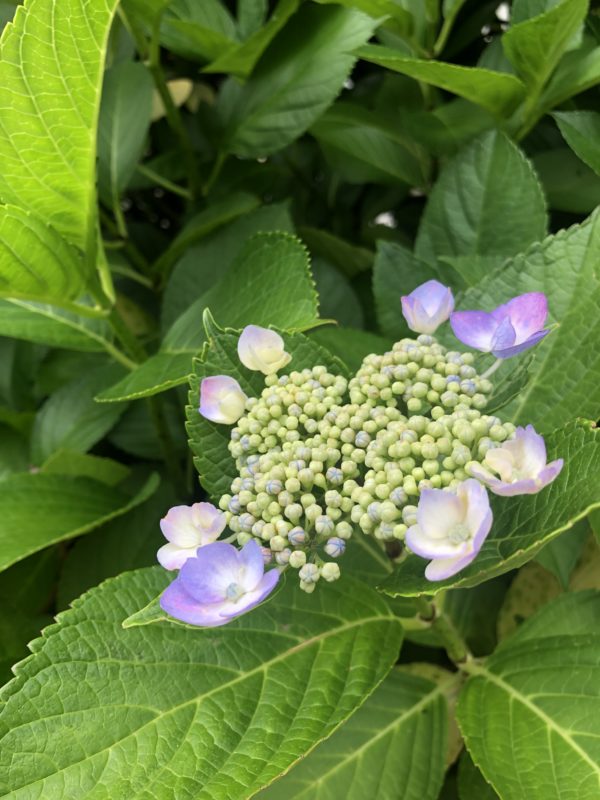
(163,182)
(441,623)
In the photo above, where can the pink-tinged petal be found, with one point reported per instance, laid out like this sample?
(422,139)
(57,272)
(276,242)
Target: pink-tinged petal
(170,556)
(178,527)
(532,450)
(443,568)
(252,599)
(262,350)
(209,520)
(207,577)
(438,511)
(427,307)
(504,336)
(474,328)
(426,547)
(477,504)
(519,348)
(514,488)
(252,565)
(182,606)
(485,527)
(222,399)
(480,473)
(549,473)
(527,313)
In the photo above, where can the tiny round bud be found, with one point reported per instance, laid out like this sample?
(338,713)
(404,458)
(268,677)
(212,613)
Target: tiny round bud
(309,573)
(283,557)
(267,555)
(307,587)
(335,547)
(324,525)
(243,538)
(297,537)
(277,543)
(297,559)
(343,530)
(330,571)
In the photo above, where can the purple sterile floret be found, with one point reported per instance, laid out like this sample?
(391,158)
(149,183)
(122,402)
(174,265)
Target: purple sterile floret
(427,307)
(520,463)
(221,399)
(507,330)
(220,583)
(451,528)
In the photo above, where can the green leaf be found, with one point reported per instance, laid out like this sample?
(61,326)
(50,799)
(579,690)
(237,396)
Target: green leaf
(541,691)
(474,613)
(123,126)
(510,381)
(350,345)
(282,678)
(125,543)
(396,272)
(16,629)
(46,509)
(569,184)
(70,462)
(337,298)
(241,59)
(535,46)
(297,78)
(581,130)
(471,783)
(351,259)
(566,267)
(71,418)
(373,139)
(578,71)
(14,452)
(35,262)
(136,433)
(50,83)
(205,222)
(522,525)
(46,324)
(562,554)
(272,270)
(487,203)
(405,715)
(197,30)
(497,92)
(209,440)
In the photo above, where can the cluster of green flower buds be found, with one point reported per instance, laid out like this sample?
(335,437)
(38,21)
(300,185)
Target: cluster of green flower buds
(312,467)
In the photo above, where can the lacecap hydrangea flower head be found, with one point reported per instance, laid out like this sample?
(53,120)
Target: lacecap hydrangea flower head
(403,451)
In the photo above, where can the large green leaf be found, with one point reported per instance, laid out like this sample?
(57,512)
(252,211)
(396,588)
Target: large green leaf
(198,30)
(566,267)
(578,70)
(47,324)
(529,715)
(209,440)
(241,58)
(212,714)
(122,127)
(487,205)
(581,130)
(471,783)
(392,747)
(497,92)
(35,262)
(272,276)
(70,418)
(535,46)
(522,525)
(396,272)
(37,510)
(569,184)
(297,78)
(373,139)
(51,65)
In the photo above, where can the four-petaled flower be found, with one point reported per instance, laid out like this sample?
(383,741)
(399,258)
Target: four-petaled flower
(427,307)
(262,350)
(451,527)
(520,463)
(222,399)
(187,528)
(220,583)
(508,329)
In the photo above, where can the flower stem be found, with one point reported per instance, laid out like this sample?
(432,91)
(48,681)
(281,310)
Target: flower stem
(493,368)
(455,646)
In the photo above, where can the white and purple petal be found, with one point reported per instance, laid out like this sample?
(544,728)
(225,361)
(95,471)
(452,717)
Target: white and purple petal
(428,306)
(171,556)
(474,328)
(222,399)
(262,350)
(207,577)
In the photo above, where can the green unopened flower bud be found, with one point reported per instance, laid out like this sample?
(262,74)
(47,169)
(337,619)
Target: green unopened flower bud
(307,587)
(324,525)
(343,530)
(283,557)
(330,571)
(297,559)
(277,543)
(243,538)
(312,512)
(400,531)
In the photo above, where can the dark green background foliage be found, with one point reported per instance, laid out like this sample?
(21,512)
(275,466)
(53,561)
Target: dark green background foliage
(173,170)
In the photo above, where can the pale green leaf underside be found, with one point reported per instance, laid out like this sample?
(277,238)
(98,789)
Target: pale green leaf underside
(37,510)
(563,381)
(487,205)
(530,714)
(51,64)
(522,525)
(207,714)
(392,747)
(581,130)
(497,92)
(269,284)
